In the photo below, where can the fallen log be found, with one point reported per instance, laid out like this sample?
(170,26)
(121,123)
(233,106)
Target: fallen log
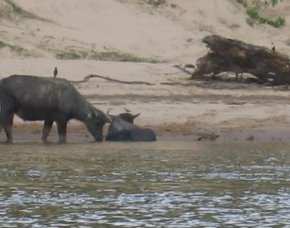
(228,55)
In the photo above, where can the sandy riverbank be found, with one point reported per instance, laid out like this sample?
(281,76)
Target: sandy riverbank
(36,35)
(172,105)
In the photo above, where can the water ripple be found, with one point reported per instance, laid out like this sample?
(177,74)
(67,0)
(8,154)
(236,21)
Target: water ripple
(125,185)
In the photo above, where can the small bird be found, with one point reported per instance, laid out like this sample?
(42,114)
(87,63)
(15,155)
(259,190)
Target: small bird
(273,47)
(55,71)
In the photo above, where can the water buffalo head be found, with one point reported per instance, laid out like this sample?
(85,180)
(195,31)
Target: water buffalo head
(95,122)
(128,117)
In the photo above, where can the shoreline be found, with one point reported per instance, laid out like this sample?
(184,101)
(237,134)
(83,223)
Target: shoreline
(77,132)
(173,106)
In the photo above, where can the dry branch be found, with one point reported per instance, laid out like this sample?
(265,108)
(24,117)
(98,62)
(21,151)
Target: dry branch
(228,55)
(184,68)
(88,77)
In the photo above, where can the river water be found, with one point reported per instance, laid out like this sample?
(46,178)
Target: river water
(162,184)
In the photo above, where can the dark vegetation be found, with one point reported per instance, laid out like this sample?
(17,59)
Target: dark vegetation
(104,56)
(254,7)
(156,3)
(15,13)
(16,49)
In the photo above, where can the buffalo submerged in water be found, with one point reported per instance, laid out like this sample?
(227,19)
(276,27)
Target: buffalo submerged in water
(122,128)
(34,98)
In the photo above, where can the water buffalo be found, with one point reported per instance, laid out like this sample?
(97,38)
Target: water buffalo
(50,99)
(122,128)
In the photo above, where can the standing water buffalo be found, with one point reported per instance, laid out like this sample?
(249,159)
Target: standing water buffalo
(49,99)
(122,128)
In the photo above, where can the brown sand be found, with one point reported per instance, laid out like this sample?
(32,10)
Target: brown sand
(176,108)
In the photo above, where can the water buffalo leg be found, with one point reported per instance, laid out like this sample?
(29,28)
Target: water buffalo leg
(46,129)
(8,128)
(61,128)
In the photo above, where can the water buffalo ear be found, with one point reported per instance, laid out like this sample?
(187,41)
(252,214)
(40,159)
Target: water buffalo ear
(136,115)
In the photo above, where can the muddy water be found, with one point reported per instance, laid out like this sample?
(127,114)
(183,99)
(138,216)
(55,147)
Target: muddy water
(162,184)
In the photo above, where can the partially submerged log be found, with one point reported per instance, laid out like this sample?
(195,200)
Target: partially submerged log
(228,55)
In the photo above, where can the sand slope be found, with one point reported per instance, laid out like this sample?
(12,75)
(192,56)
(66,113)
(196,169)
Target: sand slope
(170,32)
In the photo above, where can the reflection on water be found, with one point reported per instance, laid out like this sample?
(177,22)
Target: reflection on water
(162,184)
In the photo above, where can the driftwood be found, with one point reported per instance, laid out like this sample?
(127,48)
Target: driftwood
(185,68)
(88,77)
(228,55)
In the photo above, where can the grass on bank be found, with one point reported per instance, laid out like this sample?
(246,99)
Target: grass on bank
(11,11)
(155,3)
(254,8)
(17,50)
(104,56)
